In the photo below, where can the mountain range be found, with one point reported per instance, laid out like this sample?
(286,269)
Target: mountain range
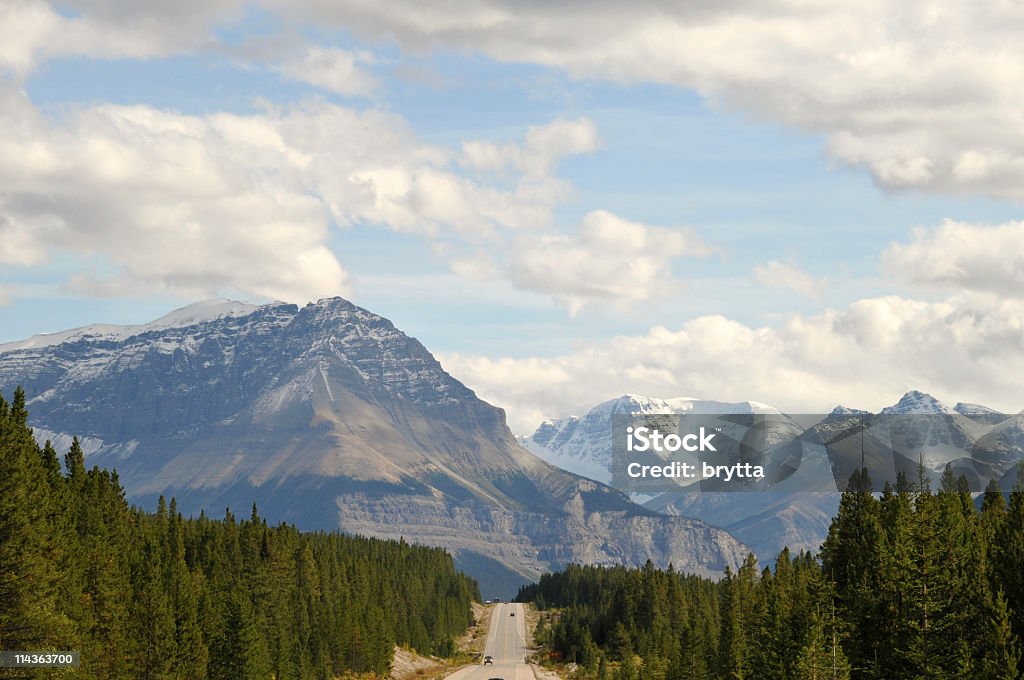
(975,440)
(329,417)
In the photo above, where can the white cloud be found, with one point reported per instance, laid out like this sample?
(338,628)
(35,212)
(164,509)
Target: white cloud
(190,205)
(777,274)
(543,147)
(204,205)
(919,93)
(609,259)
(606,259)
(422,198)
(922,94)
(961,256)
(331,69)
(32,31)
(968,348)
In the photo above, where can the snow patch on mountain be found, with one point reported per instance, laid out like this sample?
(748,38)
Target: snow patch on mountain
(939,441)
(915,402)
(844,411)
(583,445)
(974,410)
(91,446)
(189,315)
(973,438)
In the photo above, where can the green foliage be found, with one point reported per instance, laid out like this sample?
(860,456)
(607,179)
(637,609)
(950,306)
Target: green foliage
(910,584)
(155,595)
(821,657)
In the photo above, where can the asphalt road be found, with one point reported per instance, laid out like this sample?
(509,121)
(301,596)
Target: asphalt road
(506,642)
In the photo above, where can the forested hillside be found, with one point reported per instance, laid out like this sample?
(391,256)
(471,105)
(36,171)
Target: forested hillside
(155,595)
(909,584)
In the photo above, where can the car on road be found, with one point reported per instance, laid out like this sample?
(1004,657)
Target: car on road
(512,614)
(488,661)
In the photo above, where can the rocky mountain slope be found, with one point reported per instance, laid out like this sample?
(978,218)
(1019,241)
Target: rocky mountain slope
(328,416)
(765,521)
(975,440)
(584,444)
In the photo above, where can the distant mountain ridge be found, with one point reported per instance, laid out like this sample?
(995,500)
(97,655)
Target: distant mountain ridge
(974,439)
(199,312)
(328,416)
(584,445)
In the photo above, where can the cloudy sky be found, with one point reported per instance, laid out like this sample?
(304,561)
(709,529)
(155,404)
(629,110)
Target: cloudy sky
(798,202)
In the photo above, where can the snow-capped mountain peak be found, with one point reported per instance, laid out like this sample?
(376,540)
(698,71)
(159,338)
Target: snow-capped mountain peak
(192,314)
(197,312)
(918,403)
(846,411)
(584,444)
(966,409)
(706,406)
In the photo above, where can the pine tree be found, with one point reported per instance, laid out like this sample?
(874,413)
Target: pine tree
(924,589)
(29,583)
(821,657)
(152,616)
(1000,653)
(190,653)
(732,648)
(851,558)
(1008,556)
(621,641)
(239,651)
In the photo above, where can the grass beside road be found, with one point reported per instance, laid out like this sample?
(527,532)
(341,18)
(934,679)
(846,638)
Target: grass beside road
(474,639)
(543,667)
(408,665)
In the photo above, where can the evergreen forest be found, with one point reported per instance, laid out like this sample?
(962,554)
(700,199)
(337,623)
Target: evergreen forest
(153,595)
(910,583)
